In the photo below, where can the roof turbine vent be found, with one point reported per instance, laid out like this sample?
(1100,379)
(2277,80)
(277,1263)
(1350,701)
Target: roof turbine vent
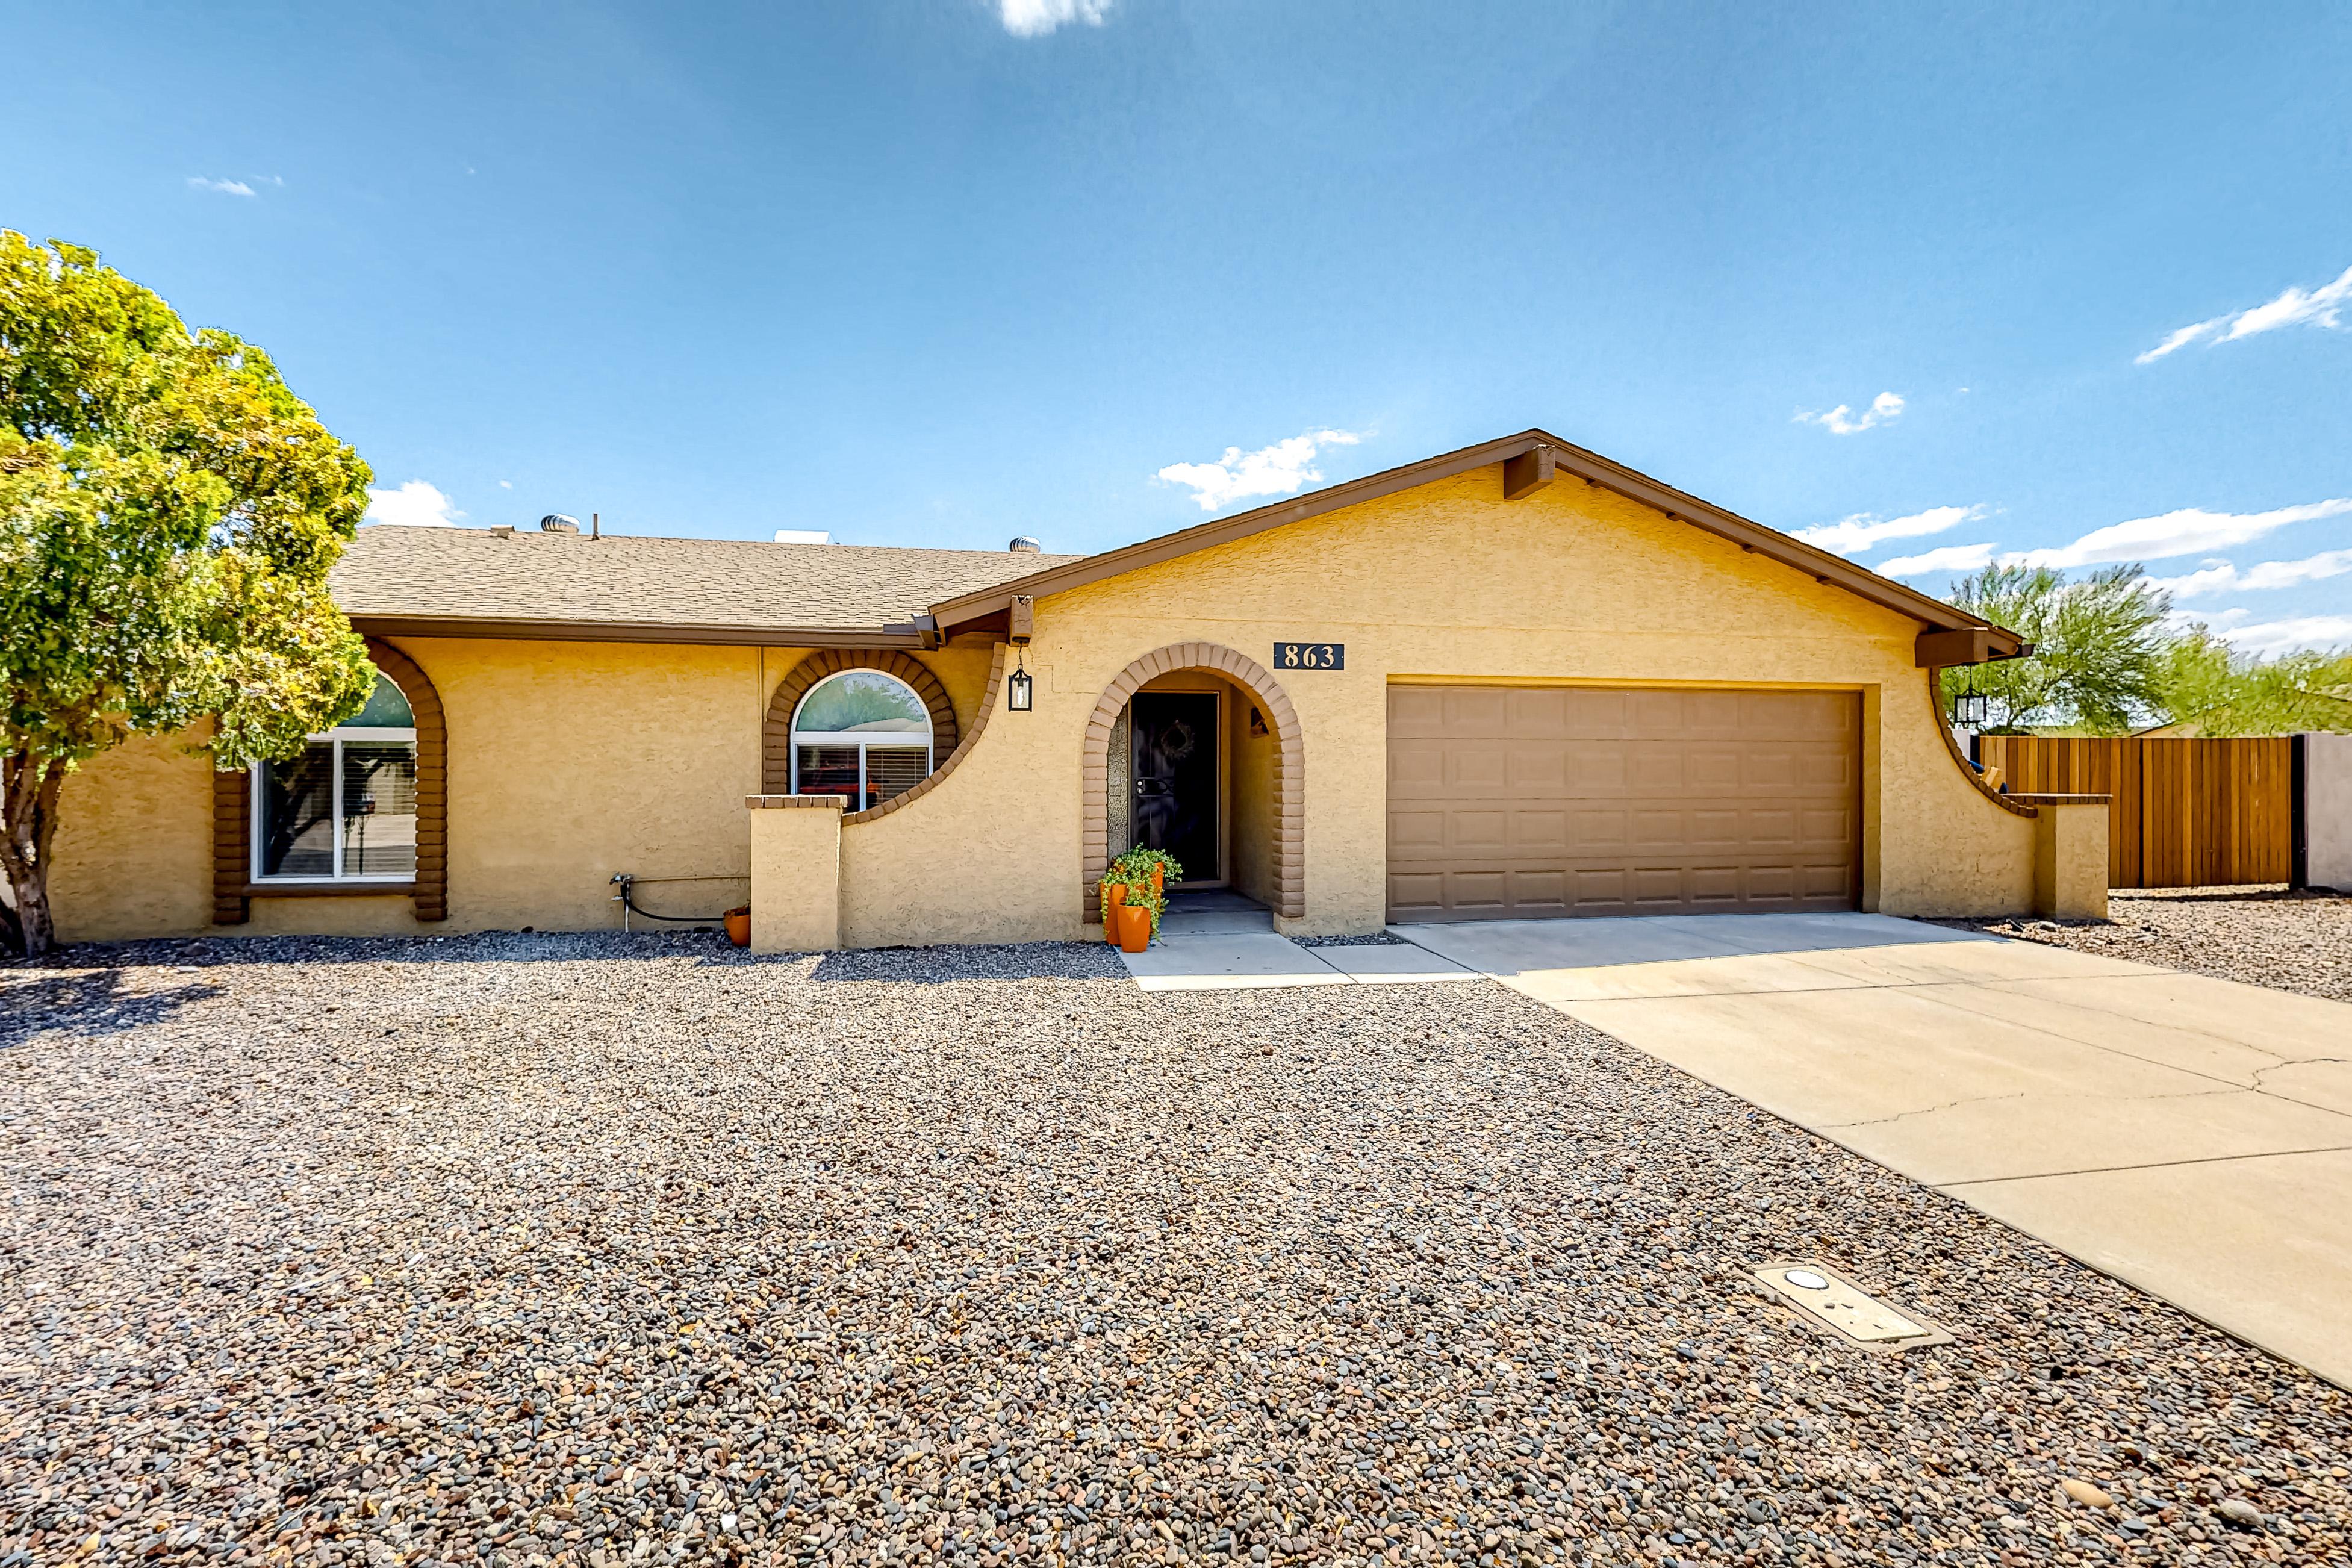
(1023,545)
(556,522)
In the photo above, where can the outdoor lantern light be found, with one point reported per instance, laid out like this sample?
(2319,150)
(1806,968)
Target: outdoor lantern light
(1970,707)
(1017,686)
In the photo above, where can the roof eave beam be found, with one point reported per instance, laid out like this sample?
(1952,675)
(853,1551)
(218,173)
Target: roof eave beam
(1526,474)
(1966,644)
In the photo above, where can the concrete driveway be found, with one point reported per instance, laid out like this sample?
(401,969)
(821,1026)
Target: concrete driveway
(2190,1135)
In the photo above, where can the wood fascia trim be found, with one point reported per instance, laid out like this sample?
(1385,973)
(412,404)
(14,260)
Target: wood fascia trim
(1835,571)
(708,636)
(1128,558)
(1820,565)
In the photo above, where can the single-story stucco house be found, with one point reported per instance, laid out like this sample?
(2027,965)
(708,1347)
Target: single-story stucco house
(1516,680)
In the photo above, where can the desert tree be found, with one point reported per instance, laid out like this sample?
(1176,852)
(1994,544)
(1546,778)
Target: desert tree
(2097,647)
(2204,687)
(169,511)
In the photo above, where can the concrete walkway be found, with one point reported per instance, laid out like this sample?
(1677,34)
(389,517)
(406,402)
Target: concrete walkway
(2190,1135)
(1240,961)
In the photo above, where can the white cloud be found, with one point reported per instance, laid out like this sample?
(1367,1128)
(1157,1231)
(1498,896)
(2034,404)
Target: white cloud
(2188,532)
(1275,470)
(2319,307)
(1865,531)
(414,505)
(2267,637)
(225,187)
(1036,18)
(506,484)
(2222,577)
(1950,558)
(1844,421)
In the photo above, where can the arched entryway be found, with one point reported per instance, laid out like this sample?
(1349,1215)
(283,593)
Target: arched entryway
(1286,857)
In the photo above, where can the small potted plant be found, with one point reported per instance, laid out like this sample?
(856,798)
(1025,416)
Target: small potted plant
(1131,909)
(1156,866)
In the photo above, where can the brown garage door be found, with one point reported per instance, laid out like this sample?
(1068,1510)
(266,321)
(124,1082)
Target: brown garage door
(1511,802)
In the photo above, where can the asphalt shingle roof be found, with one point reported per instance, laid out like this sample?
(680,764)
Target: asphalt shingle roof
(388,570)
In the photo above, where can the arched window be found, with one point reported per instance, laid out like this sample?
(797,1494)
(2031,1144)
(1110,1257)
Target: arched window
(345,808)
(861,733)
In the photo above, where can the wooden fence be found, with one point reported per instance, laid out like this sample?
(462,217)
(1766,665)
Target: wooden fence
(2187,813)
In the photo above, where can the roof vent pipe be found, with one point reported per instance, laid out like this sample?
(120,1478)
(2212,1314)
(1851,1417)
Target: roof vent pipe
(556,522)
(1023,545)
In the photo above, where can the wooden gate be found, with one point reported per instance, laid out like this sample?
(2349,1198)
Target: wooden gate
(2187,813)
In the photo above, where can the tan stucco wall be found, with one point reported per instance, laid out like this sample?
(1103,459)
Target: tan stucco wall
(134,845)
(1248,848)
(1444,582)
(570,762)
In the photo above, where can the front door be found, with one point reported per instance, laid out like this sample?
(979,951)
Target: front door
(1176,778)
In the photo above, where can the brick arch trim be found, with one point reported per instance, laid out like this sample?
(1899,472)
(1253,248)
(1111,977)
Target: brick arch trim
(432,896)
(1289,858)
(233,805)
(776,730)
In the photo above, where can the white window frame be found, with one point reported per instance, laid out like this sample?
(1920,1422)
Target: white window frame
(903,741)
(334,738)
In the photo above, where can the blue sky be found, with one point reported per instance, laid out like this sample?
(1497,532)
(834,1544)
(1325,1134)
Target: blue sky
(942,271)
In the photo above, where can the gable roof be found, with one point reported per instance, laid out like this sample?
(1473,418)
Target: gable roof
(471,581)
(1566,458)
(396,581)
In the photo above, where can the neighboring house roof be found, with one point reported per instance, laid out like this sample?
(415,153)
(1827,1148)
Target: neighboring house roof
(1551,458)
(472,582)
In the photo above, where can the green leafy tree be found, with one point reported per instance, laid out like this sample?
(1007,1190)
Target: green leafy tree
(2206,688)
(168,515)
(2098,645)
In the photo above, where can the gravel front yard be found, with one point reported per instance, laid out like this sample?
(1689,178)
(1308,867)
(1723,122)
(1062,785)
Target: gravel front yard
(512,1249)
(2263,935)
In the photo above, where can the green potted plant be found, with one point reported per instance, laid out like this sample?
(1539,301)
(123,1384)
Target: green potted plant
(1155,866)
(1131,909)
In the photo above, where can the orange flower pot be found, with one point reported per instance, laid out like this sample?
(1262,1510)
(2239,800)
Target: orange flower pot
(738,926)
(1155,881)
(1134,928)
(1114,895)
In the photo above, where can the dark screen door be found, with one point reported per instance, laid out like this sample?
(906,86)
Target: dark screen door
(1176,778)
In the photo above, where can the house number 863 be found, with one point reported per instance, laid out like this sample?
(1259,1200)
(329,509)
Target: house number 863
(1310,656)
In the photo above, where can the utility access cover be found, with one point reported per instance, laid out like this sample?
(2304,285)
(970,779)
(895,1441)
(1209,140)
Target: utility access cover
(1828,1300)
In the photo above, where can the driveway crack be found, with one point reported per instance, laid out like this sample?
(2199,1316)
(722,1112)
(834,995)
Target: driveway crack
(1926,1111)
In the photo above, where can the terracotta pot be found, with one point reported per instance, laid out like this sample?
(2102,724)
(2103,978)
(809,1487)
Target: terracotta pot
(1134,928)
(738,926)
(1155,881)
(1113,895)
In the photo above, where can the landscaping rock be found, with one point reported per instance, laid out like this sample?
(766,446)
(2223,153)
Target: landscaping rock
(2263,935)
(507,1250)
